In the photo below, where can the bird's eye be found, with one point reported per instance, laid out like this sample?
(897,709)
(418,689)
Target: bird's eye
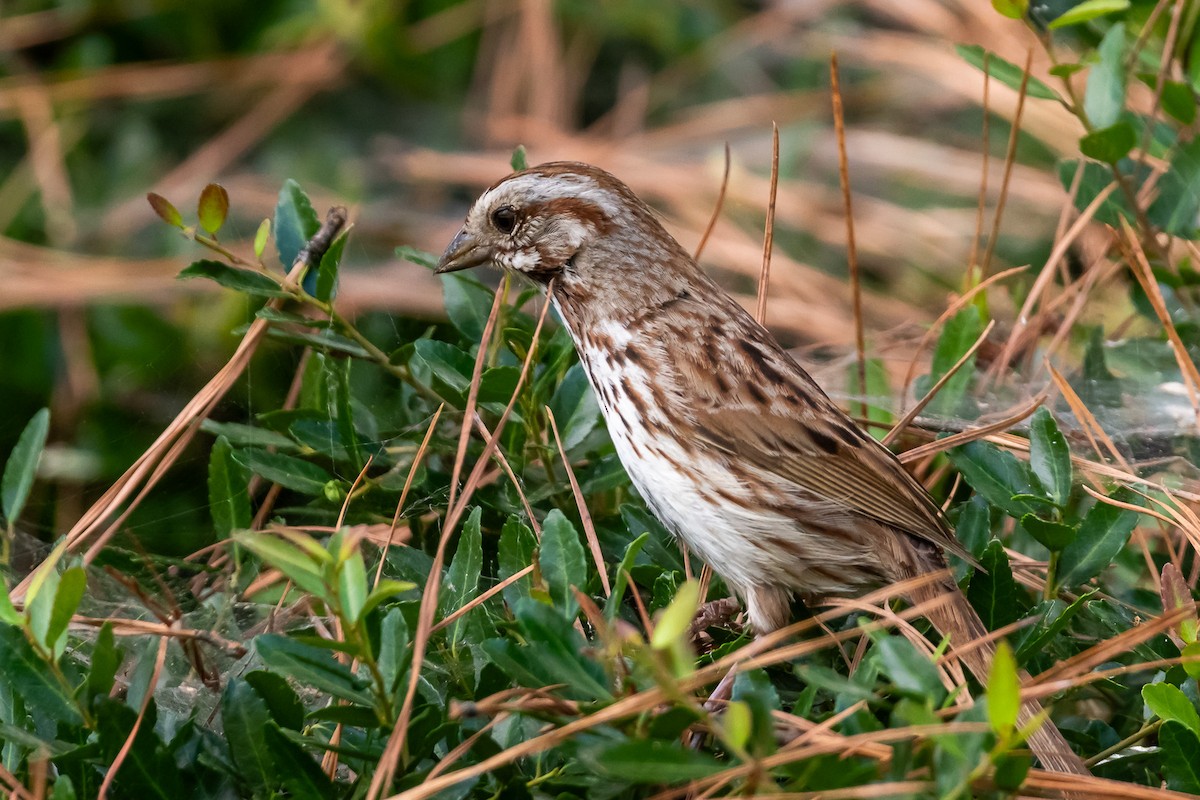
(505,219)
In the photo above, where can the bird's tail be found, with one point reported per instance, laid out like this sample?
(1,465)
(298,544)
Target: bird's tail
(957,619)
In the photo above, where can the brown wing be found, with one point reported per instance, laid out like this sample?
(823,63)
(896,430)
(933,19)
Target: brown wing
(835,462)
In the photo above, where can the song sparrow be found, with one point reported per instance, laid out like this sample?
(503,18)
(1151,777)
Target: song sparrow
(731,444)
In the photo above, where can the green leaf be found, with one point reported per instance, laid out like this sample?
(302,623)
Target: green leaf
(352,585)
(1104,98)
(325,341)
(213,207)
(1170,703)
(294,768)
(1086,11)
(385,590)
(8,613)
(1049,456)
(462,579)
(242,280)
(21,467)
(575,409)
(956,339)
(1003,691)
(244,715)
(415,256)
(393,646)
(149,771)
(1095,179)
(677,617)
(1179,101)
(974,525)
(1013,9)
(71,585)
(553,653)
(47,701)
(64,789)
(738,723)
(1011,770)
(877,387)
(1192,666)
(295,222)
(497,384)
(468,303)
(106,660)
(621,575)
(911,672)
(288,471)
(281,699)
(519,160)
(243,435)
(648,761)
(1006,72)
(1109,144)
(449,364)
(327,271)
(311,666)
(992,591)
(166,212)
(997,475)
(1053,536)
(1181,757)
(515,553)
(562,561)
(228,490)
(260,238)
(39,606)
(1102,534)
(1178,201)
(282,554)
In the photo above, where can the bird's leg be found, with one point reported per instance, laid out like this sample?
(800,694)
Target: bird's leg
(714,612)
(768,609)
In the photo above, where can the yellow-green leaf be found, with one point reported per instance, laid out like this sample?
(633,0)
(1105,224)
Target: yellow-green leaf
(213,207)
(677,617)
(1003,691)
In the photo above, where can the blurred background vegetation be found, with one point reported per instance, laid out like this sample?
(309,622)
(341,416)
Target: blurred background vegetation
(404,110)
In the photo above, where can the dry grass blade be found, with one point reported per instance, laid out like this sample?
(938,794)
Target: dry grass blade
(420,455)
(1149,283)
(482,598)
(985,151)
(954,440)
(1091,425)
(839,126)
(13,786)
(764,278)
(716,212)
(589,529)
(1045,276)
(113,768)
(1010,158)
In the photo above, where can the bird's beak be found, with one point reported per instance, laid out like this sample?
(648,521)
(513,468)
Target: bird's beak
(463,253)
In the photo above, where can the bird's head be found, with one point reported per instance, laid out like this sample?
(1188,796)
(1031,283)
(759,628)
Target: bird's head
(564,220)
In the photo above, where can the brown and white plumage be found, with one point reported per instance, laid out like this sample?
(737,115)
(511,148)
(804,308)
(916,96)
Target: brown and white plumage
(733,446)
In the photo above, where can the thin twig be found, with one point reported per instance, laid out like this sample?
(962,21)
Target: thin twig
(716,214)
(839,127)
(764,278)
(1009,159)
